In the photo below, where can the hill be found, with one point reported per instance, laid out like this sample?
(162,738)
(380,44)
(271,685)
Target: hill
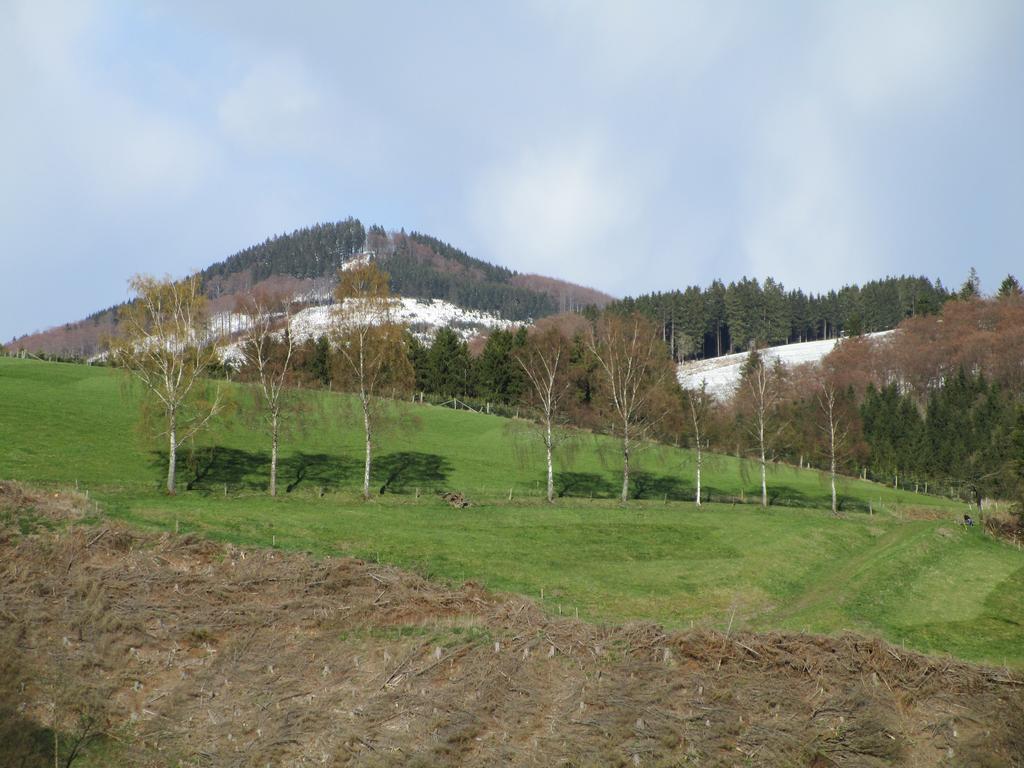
(235,656)
(906,572)
(305,262)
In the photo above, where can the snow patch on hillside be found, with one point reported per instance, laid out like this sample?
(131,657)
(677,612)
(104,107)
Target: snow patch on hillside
(723,373)
(422,316)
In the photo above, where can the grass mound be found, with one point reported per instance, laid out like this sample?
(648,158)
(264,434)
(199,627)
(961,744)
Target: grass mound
(157,649)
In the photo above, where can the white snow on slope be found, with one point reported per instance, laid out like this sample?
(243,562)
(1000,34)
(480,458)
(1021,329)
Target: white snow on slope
(422,316)
(723,373)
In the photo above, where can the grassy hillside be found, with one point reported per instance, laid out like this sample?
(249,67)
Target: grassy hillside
(60,423)
(925,582)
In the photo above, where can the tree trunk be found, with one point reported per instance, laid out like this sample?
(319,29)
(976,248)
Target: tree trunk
(625,465)
(700,457)
(551,474)
(835,508)
(273,453)
(172,450)
(764,482)
(832,455)
(369,447)
(764,478)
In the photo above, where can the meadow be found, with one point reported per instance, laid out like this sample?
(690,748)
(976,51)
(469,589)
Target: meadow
(905,570)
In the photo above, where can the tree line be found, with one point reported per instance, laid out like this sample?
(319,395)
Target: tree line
(888,409)
(722,319)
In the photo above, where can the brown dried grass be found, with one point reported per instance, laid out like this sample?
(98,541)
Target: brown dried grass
(207,654)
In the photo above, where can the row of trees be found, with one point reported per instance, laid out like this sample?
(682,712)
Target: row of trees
(719,319)
(611,371)
(371,355)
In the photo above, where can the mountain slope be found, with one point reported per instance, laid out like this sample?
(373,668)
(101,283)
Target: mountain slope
(305,262)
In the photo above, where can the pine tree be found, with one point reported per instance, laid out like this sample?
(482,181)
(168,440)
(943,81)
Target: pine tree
(449,367)
(971,289)
(499,377)
(1009,287)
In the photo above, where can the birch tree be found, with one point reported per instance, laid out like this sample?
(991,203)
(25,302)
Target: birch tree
(166,346)
(835,431)
(760,388)
(266,347)
(371,346)
(545,361)
(634,366)
(699,405)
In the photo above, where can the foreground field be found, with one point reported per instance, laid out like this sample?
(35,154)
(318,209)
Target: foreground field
(906,572)
(173,650)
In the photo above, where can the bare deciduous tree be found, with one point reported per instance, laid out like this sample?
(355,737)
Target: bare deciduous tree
(833,427)
(699,402)
(166,346)
(371,345)
(545,360)
(760,388)
(266,346)
(634,365)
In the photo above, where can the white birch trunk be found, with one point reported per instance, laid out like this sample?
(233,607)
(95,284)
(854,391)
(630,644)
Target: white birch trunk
(273,454)
(551,473)
(369,447)
(764,478)
(832,458)
(625,464)
(700,458)
(172,446)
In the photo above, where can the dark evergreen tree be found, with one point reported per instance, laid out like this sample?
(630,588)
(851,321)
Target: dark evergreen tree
(449,369)
(499,378)
(1009,287)
(893,429)
(971,289)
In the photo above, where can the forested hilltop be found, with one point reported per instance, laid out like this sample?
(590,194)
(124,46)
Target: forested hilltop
(420,266)
(720,319)
(306,261)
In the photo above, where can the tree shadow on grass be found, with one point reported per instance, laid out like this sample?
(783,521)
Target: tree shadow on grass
(399,472)
(583,484)
(787,496)
(214,467)
(320,469)
(646,485)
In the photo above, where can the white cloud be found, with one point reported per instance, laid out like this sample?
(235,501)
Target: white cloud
(624,41)
(881,54)
(70,116)
(277,105)
(561,209)
(805,221)
(810,214)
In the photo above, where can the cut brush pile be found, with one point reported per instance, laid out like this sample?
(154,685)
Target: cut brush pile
(173,650)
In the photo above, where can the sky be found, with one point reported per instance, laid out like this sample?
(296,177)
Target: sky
(630,146)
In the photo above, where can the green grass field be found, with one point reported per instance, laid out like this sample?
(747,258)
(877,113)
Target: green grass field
(927,583)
